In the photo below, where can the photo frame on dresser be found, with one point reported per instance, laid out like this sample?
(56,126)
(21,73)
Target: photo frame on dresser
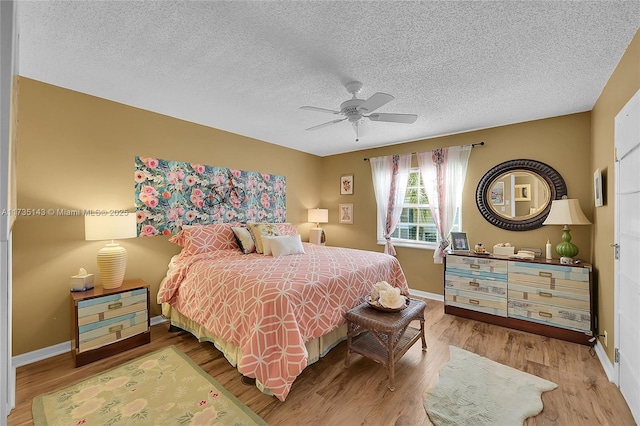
(459,241)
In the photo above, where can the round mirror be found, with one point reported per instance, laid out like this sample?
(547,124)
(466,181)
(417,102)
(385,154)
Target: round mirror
(516,195)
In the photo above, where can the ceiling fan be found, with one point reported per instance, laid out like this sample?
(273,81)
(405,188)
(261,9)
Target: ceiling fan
(354,109)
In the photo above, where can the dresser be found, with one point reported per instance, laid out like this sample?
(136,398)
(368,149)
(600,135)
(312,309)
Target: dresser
(538,296)
(109,321)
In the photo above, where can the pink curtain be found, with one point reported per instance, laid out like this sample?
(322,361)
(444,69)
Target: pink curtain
(390,176)
(443,173)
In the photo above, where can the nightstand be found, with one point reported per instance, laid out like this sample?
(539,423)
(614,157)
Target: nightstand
(105,322)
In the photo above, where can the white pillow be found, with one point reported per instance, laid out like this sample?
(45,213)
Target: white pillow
(266,244)
(286,245)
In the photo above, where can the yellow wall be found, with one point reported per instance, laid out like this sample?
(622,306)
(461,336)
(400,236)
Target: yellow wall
(77,152)
(561,142)
(624,82)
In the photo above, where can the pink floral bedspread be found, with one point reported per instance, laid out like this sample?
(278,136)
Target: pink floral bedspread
(269,307)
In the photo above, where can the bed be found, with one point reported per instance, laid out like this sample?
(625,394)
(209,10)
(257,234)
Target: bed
(270,315)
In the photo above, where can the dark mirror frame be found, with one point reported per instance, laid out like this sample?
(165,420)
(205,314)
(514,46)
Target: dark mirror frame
(547,173)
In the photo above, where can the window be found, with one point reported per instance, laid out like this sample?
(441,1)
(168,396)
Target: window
(416,227)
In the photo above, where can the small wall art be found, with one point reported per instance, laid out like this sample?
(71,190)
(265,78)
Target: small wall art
(597,188)
(346,185)
(345,212)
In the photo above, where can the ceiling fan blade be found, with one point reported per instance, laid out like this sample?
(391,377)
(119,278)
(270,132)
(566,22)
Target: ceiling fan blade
(319,126)
(375,101)
(312,108)
(393,118)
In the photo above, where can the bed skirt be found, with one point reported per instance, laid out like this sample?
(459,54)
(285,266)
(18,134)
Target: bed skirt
(316,348)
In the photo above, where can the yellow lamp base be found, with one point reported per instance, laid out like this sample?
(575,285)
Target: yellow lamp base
(112,262)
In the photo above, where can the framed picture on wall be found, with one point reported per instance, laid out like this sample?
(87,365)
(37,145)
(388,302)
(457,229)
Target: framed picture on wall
(345,212)
(346,185)
(597,188)
(459,241)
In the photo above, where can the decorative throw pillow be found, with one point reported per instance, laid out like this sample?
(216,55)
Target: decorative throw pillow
(196,239)
(286,245)
(258,230)
(244,239)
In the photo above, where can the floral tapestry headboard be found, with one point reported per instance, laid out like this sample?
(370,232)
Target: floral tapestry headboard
(170,194)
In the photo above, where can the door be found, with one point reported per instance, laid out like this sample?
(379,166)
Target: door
(627,239)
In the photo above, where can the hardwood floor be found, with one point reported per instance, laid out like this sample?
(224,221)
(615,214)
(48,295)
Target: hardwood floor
(328,394)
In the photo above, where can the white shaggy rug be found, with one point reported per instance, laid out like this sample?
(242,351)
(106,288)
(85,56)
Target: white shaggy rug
(473,390)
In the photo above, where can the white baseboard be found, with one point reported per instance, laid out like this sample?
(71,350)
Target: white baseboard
(60,348)
(426,295)
(609,369)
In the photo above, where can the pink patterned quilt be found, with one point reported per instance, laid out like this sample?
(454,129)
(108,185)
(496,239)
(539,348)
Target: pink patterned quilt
(269,307)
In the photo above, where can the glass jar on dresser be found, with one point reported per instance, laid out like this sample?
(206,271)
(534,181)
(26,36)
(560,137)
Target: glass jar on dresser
(538,296)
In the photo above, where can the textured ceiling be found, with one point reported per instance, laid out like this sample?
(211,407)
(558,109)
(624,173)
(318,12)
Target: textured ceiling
(247,67)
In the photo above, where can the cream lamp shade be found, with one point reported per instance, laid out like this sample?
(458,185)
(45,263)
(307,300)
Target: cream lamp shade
(566,212)
(316,235)
(112,258)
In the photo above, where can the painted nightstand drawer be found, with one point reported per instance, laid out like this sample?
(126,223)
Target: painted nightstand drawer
(101,308)
(111,330)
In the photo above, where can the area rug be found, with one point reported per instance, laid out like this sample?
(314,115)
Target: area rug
(162,388)
(473,390)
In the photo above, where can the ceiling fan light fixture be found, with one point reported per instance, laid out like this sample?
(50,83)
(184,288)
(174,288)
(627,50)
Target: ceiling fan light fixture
(354,109)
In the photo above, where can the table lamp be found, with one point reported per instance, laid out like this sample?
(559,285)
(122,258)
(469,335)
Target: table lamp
(316,235)
(566,212)
(112,258)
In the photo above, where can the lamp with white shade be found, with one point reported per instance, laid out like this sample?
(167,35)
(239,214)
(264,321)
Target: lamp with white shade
(112,258)
(566,212)
(316,235)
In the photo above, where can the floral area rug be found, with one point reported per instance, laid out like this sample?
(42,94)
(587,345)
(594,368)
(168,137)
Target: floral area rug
(162,388)
(473,390)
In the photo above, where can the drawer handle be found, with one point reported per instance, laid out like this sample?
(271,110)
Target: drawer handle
(115,328)
(545,294)
(545,314)
(474,301)
(474,266)
(545,274)
(474,284)
(116,305)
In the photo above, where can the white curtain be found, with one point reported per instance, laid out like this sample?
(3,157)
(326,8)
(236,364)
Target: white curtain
(443,173)
(390,176)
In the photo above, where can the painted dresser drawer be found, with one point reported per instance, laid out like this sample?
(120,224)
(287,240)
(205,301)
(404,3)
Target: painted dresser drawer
(573,319)
(477,301)
(558,296)
(476,265)
(550,275)
(480,284)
